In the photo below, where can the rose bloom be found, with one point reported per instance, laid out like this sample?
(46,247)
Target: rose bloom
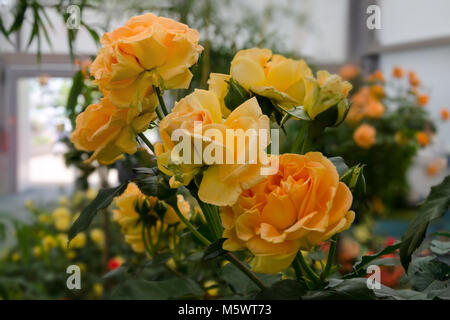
(422,99)
(300,206)
(445,114)
(349,71)
(422,138)
(109,131)
(222,182)
(398,72)
(147,51)
(325,92)
(130,221)
(377,91)
(365,105)
(270,75)
(365,136)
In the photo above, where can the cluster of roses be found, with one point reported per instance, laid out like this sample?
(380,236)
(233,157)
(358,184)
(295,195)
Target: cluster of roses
(299,206)
(367,102)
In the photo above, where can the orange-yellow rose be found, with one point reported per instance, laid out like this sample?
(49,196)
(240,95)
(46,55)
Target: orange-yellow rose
(270,75)
(147,51)
(422,138)
(349,71)
(129,219)
(300,206)
(109,131)
(365,136)
(223,180)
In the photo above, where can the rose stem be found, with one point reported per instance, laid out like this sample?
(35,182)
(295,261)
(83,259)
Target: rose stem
(229,256)
(330,259)
(161,100)
(309,272)
(146,141)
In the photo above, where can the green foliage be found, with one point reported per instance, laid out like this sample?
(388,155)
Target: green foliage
(101,201)
(236,95)
(140,289)
(359,269)
(435,206)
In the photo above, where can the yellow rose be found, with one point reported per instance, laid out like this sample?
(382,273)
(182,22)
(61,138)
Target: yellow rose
(273,76)
(129,219)
(78,241)
(218,83)
(98,236)
(37,252)
(62,224)
(71,255)
(49,242)
(62,240)
(97,289)
(325,92)
(300,206)
(109,131)
(147,51)
(221,183)
(365,136)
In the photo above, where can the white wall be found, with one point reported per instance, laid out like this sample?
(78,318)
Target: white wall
(412,20)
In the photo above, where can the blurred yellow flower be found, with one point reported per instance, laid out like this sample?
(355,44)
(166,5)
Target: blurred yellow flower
(49,242)
(44,218)
(63,201)
(211,287)
(300,206)
(71,254)
(97,289)
(63,240)
(109,131)
(37,252)
(129,219)
(16,257)
(98,236)
(78,241)
(91,194)
(29,204)
(147,51)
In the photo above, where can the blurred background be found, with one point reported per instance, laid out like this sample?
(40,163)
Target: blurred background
(44,83)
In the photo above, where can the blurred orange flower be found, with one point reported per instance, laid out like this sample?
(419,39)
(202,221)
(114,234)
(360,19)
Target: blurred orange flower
(414,80)
(422,138)
(377,90)
(422,99)
(398,72)
(365,136)
(445,114)
(349,71)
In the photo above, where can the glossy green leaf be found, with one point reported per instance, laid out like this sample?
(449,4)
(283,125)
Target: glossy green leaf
(359,269)
(434,207)
(236,95)
(101,201)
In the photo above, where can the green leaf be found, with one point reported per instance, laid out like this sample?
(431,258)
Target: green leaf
(19,17)
(156,186)
(423,271)
(283,290)
(359,268)
(139,289)
(92,32)
(440,247)
(214,250)
(352,289)
(75,91)
(236,95)
(354,179)
(241,284)
(340,165)
(101,201)
(298,113)
(434,206)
